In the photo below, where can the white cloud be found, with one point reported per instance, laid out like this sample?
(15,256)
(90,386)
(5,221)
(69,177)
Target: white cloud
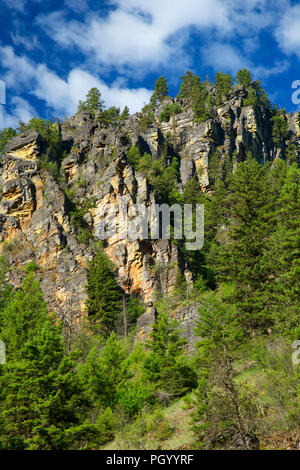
(229,59)
(18,110)
(60,95)
(141,31)
(288,31)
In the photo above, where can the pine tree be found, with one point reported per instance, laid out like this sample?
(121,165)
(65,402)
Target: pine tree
(92,103)
(104,296)
(224,84)
(243,77)
(249,226)
(160,91)
(125,114)
(165,365)
(5,135)
(281,256)
(197,95)
(41,399)
(23,316)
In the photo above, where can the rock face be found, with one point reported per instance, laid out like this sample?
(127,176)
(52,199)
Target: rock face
(36,209)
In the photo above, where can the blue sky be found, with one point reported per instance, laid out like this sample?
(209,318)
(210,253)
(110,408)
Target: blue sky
(52,52)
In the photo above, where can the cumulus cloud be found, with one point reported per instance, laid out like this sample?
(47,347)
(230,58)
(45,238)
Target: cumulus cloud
(18,110)
(61,95)
(140,31)
(288,31)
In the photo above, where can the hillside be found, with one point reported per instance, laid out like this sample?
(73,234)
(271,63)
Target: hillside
(218,144)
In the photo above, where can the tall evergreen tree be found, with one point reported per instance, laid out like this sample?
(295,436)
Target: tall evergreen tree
(165,366)
(160,91)
(249,226)
(281,257)
(243,77)
(92,103)
(104,296)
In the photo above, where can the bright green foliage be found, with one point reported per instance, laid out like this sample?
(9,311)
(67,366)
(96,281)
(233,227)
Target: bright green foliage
(215,168)
(225,412)
(257,96)
(170,110)
(145,164)
(196,95)
(102,373)
(280,129)
(291,154)
(180,284)
(5,289)
(104,296)
(249,224)
(134,156)
(160,91)
(163,178)
(51,134)
(282,254)
(110,116)
(41,402)
(251,99)
(243,77)
(5,135)
(112,378)
(134,310)
(189,85)
(92,103)
(125,114)
(23,316)
(224,85)
(165,365)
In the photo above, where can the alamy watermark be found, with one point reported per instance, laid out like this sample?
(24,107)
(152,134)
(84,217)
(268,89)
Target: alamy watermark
(154,221)
(2,92)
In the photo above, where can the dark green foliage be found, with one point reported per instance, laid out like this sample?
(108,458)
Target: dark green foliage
(256,96)
(280,129)
(197,96)
(251,99)
(224,85)
(160,91)
(50,133)
(104,296)
(41,401)
(243,77)
(281,257)
(134,156)
(93,102)
(146,119)
(249,224)
(110,116)
(134,310)
(215,168)
(291,154)
(170,110)
(125,114)
(5,135)
(5,288)
(165,365)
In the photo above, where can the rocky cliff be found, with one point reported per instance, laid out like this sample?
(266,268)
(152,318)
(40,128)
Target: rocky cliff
(37,209)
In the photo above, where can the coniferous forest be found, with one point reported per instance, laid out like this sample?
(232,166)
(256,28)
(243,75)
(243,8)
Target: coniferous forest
(98,380)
